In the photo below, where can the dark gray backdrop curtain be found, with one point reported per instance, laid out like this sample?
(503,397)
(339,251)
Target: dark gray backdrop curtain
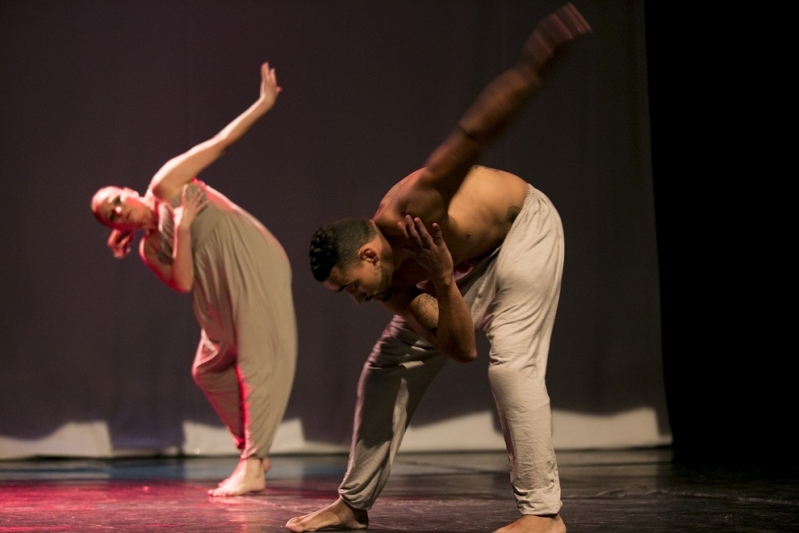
(103,92)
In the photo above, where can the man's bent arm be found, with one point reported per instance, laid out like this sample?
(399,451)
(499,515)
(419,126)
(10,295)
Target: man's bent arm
(454,333)
(444,320)
(500,102)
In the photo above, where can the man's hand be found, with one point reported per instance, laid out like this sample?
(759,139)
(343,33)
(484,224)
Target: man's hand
(430,250)
(444,320)
(552,33)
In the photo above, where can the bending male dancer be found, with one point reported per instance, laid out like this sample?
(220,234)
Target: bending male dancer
(492,259)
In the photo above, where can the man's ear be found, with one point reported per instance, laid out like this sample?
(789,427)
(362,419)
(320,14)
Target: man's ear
(369,254)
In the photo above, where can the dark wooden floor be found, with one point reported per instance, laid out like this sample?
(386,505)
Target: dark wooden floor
(617,491)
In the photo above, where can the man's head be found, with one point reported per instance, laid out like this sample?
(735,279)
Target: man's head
(349,255)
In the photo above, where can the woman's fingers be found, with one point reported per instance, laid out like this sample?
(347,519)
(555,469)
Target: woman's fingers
(195,201)
(199,201)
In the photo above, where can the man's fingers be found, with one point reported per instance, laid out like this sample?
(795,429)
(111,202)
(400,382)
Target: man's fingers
(403,228)
(414,228)
(573,19)
(437,234)
(422,230)
(413,225)
(410,226)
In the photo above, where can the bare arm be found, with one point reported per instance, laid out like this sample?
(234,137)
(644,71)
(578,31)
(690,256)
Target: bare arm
(178,171)
(500,102)
(180,273)
(443,320)
(182,259)
(148,251)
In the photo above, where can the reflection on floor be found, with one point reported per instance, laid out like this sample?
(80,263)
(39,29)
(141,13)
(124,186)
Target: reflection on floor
(603,491)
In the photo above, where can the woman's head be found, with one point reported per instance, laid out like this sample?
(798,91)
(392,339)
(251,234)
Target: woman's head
(124,211)
(121,208)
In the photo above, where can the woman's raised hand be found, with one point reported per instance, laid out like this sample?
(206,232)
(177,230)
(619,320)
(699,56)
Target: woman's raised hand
(269,86)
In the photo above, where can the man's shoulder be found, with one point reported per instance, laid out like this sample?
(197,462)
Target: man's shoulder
(403,186)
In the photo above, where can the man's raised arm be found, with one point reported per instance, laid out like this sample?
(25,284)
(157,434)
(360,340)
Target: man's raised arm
(503,98)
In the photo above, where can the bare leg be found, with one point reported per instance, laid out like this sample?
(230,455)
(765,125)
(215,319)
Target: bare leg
(535,524)
(248,476)
(337,515)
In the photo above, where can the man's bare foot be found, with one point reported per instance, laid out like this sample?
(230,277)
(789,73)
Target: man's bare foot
(535,524)
(248,476)
(337,515)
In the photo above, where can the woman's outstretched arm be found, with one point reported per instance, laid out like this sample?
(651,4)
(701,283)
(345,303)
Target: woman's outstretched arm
(170,179)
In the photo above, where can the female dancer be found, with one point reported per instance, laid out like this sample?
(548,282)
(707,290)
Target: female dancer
(196,240)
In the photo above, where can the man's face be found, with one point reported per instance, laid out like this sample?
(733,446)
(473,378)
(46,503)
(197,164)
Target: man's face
(366,280)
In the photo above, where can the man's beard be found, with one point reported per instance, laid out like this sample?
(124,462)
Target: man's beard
(386,282)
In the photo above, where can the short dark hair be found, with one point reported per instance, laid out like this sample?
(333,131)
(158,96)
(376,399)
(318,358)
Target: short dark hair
(337,244)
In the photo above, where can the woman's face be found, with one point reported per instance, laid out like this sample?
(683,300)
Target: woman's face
(120,208)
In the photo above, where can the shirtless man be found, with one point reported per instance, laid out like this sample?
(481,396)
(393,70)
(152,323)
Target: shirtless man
(492,258)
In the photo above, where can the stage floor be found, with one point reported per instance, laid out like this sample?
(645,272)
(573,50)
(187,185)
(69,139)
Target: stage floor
(603,491)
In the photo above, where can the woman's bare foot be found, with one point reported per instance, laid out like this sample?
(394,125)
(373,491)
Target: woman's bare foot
(337,515)
(535,524)
(248,476)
